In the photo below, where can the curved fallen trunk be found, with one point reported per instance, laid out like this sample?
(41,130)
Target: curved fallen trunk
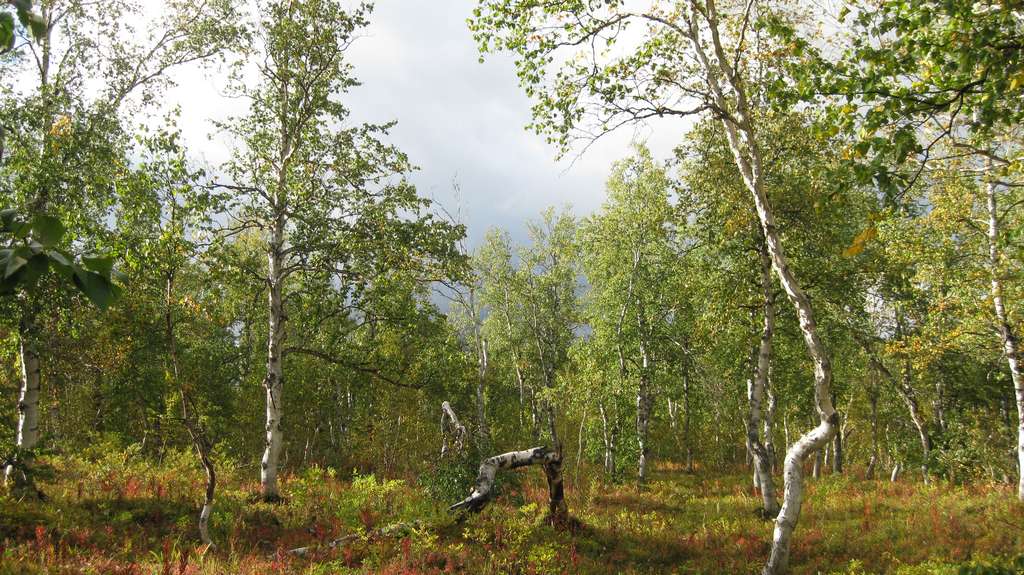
(550,460)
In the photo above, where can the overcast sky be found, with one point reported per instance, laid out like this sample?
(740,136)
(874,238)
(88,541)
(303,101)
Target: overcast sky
(458,120)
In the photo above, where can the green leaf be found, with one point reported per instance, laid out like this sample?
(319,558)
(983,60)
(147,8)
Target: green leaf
(61,262)
(36,267)
(6,31)
(7,218)
(47,230)
(16,260)
(97,288)
(99,264)
(29,19)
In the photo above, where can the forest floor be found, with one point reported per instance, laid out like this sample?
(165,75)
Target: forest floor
(123,515)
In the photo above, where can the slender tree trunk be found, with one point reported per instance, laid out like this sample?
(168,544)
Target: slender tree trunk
(873,400)
(643,413)
(837,451)
(28,399)
(481,413)
(520,380)
(769,427)
(755,394)
(1009,338)
(608,432)
(195,429)
(917,417)
(686,423)
(273,383)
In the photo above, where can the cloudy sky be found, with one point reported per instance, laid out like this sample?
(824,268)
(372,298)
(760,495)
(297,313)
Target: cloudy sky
(458,120)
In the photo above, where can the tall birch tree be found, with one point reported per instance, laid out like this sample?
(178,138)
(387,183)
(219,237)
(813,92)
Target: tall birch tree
(328,201)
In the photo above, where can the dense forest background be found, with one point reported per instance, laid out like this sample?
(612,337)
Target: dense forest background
(823,278)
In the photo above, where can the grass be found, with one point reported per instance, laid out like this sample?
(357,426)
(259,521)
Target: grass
(124,515)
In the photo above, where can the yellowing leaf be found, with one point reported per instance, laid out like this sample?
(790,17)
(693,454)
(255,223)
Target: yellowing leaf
(860,242)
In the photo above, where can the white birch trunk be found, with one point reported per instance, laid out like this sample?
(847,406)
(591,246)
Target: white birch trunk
(28,398)
(481,411)
(643,414)
(755,395)
(769,427)
(273,383)
(608,432)
(31,382)
(1006,332)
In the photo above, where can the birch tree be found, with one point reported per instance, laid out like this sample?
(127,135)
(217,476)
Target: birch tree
(629,263)
(63,143)
(328,201)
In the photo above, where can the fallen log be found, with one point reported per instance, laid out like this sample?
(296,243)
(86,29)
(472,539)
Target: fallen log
(549,459)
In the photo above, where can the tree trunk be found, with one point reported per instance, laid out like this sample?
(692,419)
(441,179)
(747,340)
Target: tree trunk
(910,398)
(837,451)
(481,412)
(552,462)
(686,423)
(608,432)
(483,432)
(515,358)
(643,416)
(31,383)
(273,383)
(755,395)
(896,472)
(28,402)
(873,400)
(1006,331)
(769,428)
(450,426)
(192,423)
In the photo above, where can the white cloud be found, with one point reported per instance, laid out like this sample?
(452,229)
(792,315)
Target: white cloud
(457,118)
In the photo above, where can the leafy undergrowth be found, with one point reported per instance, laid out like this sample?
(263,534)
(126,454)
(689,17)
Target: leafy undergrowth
(122,514)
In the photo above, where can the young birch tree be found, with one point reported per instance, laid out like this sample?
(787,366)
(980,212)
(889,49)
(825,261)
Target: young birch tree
(329,202)
(629,264)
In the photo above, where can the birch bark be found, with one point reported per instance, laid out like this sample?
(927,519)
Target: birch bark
(1011,347)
